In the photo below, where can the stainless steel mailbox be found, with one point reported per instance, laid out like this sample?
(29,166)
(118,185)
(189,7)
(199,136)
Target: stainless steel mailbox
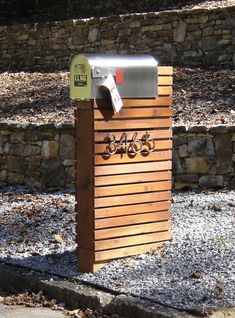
(135,76)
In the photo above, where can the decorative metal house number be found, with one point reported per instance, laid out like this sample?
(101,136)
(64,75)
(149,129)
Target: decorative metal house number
(145,144)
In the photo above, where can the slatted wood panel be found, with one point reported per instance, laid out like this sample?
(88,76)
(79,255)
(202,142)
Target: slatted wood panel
(123,198)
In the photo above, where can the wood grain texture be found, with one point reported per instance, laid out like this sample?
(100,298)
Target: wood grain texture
(133,178)
(126,113)
(155,134)
(132,198)
(85,175)
(165,70)
(165,80)
(133,158)
(133,124)
(165,91)
(132,219)
(126,251)
(131,240)
(132,209)
(132,168)
(159,145)
(123,200)
(132,188)
(132,230)
(129,103)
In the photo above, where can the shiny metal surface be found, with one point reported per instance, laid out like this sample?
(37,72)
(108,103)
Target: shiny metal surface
(138,75)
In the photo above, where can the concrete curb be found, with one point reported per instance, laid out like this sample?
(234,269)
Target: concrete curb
(78,295)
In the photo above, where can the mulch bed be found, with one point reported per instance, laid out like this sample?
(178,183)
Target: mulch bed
(201,96)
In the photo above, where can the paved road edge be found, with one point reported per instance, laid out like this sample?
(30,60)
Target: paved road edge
(78,295)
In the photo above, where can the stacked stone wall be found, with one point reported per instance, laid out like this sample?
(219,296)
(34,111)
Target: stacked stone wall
(204,157)
(42,156)
(190,37)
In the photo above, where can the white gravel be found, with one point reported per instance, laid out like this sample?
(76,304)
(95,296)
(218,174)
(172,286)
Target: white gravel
(195,271)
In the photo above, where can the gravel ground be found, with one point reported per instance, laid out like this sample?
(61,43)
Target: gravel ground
(200,96)
(195,271)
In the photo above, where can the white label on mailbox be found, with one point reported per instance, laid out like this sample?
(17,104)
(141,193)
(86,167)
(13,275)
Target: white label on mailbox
(116,98)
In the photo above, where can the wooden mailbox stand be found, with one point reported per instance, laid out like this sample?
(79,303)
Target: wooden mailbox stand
(123,199)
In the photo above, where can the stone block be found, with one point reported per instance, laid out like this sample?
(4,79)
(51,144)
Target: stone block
(211,181)
(223,42)
(179,140)
(1,149)
(94,35)
(31,150)
(177,164)
(34,163)
(224,153)
(185,186)
(49,148)
(70,175)
(200,165)
(219,129)
(179,129)
(208,43)
(14,178)
(197,129)
(187,178)
(67,147)
(233,158)
(183,151)
(225,57)
(233,146)
(53,172)
(203,19)
(16,149)
(16,164)
(68,162)
(33,183)
(208,31)
(16,137)
(3,176)
(231,184)
(201,145)
(180,31)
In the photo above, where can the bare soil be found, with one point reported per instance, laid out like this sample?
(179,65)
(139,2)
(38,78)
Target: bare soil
(201,96)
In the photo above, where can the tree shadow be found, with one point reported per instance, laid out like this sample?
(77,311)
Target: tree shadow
(31,11)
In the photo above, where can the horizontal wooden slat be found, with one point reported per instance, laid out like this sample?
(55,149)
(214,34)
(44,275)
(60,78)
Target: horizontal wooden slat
(132,168)
(119,158)
(132,219)
(165,80)
(154,134)
(150,112)
(131,240)
(165,70)
(132,230)
(132,188)
(128,103)
(132,198)
(159,145)
(126,251)
(165,90)
(132,209)
(132,178)
(133,124)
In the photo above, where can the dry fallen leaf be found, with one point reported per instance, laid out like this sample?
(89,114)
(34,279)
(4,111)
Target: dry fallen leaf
(58,238)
